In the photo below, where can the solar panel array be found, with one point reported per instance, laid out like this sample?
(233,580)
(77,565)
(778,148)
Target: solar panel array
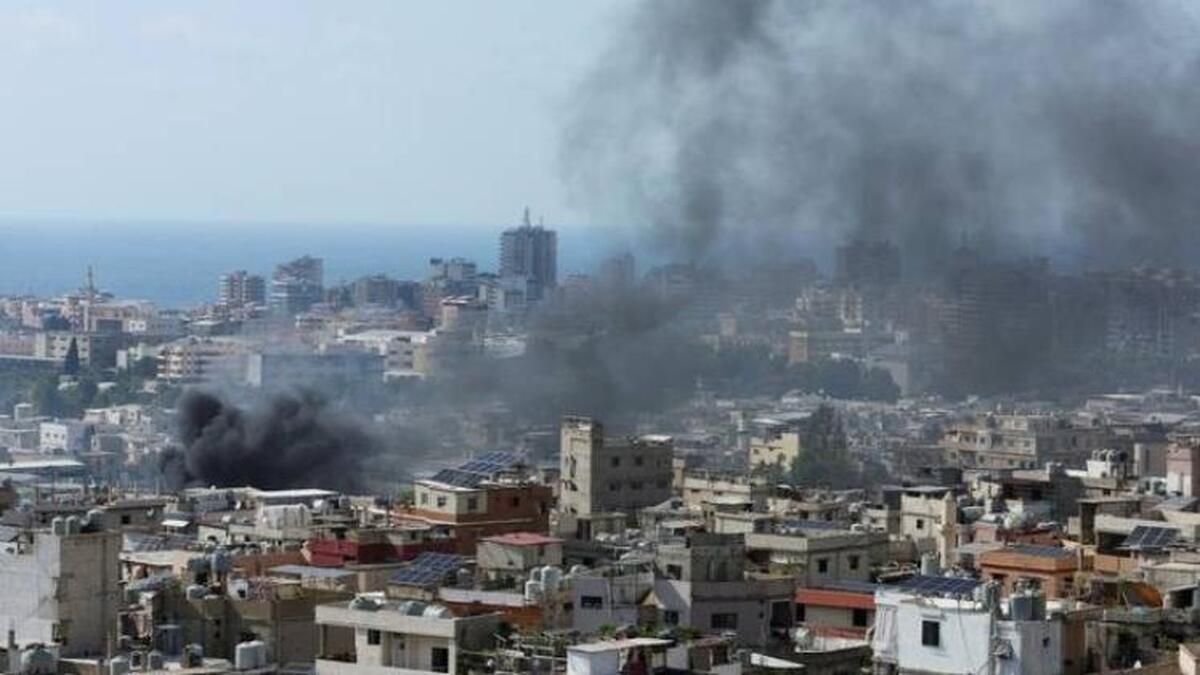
(491,462)
(459,478)
(428,569)
(1146,537)
(475,471)
(928,585)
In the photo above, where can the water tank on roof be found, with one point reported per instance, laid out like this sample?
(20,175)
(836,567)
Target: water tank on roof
(551,576)
(220,561)
(137,660)
(248,655)
(533,590)
(365,603)
(193,656)
(58,525)
(1027,604)
(154,660)
(437,612)
(72,525)
(930,566)
(412,608)
(118,665)
(38,661)
(95,519)
(464,578)
(577,570)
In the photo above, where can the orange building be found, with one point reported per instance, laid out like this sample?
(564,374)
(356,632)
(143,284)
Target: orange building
(1051,568)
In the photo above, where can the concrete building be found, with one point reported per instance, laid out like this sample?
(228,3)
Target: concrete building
(373,636)
(94,349)
(929,518)
(1020,442)
(240,289)
(61,586)
(297,285)
(702,584)
(611,596)
(512,555)
(606,475)
(1049,568)
(775,442)
(273,369)
(918,632)
(64,437)
(196,360)
(819,556)
(1183,467)
(530,252)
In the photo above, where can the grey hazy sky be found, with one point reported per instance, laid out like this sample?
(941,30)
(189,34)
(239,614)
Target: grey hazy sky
(390,111)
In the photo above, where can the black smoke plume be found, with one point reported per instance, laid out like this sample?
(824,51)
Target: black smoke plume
(293,440)
(1021,125)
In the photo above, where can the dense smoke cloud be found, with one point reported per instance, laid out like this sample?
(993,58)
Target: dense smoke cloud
(293,440)
(743,125)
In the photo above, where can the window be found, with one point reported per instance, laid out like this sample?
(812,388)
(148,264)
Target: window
(638,461)
(439,660)
(859,619)
(613,487)
(616,461)
(591,602)
(671,618)
(800,607)
(931,633)
(424,498)
(373,637)
(675,572)
(472,503)
(920,524)
(441,502)
(516,501)
(823,566)
(724,621)
(853,560)
(635,485)
(125,519)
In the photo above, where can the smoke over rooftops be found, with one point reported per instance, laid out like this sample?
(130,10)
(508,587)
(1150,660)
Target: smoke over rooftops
(724,126)
(293,440)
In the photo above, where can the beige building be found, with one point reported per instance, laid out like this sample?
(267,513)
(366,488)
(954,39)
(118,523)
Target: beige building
(61,586)
(775,442)
(373,636)
(1020,442)
(605,475)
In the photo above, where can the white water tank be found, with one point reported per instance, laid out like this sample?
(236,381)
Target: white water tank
(118,665)
(58,525)
(533,590)
(248,655)
(551,577)
(38,661)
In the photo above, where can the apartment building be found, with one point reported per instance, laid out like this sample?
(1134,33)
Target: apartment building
(606,475)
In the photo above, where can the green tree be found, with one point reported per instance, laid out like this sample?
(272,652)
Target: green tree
(823,457)
(46,397)
(71,362)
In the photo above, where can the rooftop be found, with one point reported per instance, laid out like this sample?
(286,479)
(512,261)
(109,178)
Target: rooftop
(523,539)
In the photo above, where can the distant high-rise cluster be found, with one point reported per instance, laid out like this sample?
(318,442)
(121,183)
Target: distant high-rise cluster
(240,289)
(297,285)
(530,252)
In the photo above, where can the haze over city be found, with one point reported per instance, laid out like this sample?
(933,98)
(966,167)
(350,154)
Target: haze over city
(637,337)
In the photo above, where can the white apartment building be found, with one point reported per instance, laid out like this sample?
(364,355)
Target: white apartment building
(62,587)
(916,632)
(64,437)
(374,636)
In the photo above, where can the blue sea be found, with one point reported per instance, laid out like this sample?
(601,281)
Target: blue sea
(177,264)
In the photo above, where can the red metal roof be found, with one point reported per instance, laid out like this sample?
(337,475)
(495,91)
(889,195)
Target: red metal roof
(523,539)
(822,597)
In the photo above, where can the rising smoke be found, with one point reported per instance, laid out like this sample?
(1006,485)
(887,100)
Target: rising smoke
(293,440)
(740,126)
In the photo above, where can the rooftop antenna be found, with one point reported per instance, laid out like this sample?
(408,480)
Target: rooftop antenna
(527,223)
(91,283)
